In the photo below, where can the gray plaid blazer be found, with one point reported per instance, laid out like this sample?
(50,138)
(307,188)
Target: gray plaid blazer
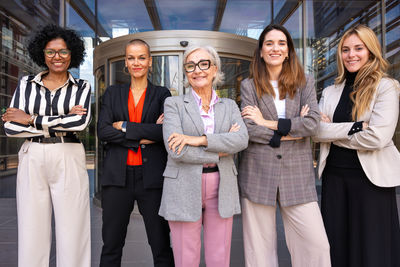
(285,173)
(181,197)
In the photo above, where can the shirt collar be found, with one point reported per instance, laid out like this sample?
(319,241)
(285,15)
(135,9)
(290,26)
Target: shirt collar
(214,97)
(38,78)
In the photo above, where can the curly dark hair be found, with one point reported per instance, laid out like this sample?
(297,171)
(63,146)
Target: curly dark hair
(50,32)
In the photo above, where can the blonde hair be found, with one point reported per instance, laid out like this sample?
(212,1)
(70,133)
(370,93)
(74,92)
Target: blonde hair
(369,75)
(215,59)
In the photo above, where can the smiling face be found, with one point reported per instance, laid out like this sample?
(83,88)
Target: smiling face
(274,49)
(201,79)
(354,53)
(57,64)
(138,60)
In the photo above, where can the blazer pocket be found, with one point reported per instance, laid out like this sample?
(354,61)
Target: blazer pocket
(171,172)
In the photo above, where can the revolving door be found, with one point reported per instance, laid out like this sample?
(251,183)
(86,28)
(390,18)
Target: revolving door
(167,48)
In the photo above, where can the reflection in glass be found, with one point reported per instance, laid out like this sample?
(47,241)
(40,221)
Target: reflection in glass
(165,72)
(392,17)
(258,15)
(295,27)
(235,71)
(123,16)
(186,15)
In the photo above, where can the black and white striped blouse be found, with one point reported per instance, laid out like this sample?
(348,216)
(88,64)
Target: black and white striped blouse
(51,107)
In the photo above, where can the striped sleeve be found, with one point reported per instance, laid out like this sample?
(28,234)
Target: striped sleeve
(19,101)
(69,122)
(52,108)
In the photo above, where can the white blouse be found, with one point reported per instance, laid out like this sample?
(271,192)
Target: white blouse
(280,105)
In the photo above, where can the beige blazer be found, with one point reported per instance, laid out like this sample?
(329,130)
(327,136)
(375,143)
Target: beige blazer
(376,151)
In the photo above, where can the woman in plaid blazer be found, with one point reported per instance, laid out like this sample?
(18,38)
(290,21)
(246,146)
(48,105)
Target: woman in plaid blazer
(281,113)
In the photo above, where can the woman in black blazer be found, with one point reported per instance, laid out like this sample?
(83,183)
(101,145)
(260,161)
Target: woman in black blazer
(130,123)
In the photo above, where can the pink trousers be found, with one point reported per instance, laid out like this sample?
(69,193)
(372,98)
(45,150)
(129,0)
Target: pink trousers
(186,236)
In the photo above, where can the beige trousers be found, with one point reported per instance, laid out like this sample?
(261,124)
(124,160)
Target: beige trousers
(53,176)
(304,231)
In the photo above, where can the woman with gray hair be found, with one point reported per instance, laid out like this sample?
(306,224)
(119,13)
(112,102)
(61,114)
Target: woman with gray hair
(201,132)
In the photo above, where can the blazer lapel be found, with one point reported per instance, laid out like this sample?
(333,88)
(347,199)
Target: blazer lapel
(334,100)
(219,115)
(270,104)
(124,100)
(150,91)
(292,105)
(193,111)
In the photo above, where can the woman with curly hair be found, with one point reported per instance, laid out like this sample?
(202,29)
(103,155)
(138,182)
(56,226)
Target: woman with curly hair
(47,110)
(359,164)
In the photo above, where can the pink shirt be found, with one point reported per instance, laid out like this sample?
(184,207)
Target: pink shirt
(208,118)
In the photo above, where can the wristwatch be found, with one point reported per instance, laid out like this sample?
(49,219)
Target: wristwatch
(31,120)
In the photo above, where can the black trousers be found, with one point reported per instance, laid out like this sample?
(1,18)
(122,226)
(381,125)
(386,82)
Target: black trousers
(361,220)
(117,204)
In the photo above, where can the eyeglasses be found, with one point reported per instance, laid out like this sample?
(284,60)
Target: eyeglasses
(204,64)
(50,53)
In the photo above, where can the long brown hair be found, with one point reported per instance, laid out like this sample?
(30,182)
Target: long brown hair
(369,75)
(292,74)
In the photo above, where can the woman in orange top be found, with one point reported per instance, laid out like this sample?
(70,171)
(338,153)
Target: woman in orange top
(130,123)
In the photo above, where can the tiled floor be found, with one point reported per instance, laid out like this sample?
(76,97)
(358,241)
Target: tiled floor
(136,252)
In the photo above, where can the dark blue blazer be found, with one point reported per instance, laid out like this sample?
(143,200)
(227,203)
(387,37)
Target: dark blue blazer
(114,108)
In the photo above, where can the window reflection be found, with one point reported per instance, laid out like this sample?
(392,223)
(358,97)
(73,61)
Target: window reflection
(295,27)
(186,15)
(165,72)
(392,18)
(258,15)
(235,71)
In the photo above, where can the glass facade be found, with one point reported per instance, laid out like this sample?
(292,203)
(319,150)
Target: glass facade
(316,27)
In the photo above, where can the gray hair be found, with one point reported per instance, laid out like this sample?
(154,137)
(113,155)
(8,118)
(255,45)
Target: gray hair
(215,59)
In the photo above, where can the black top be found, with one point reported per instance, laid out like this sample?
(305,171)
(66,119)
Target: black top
(339,156)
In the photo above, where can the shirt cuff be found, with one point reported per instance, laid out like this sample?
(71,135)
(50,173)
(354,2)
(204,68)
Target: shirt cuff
(275,140)
(284,126)
(123,127)
(357,126)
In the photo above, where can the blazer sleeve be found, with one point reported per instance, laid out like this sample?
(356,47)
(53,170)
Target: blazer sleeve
(383,120)
(105,131)
(172,124)
(330,131)
(248,96)
(307,125)
(230,142)
(151,131)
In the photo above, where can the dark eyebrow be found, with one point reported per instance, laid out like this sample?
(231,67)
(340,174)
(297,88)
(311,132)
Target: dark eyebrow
(272,41)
